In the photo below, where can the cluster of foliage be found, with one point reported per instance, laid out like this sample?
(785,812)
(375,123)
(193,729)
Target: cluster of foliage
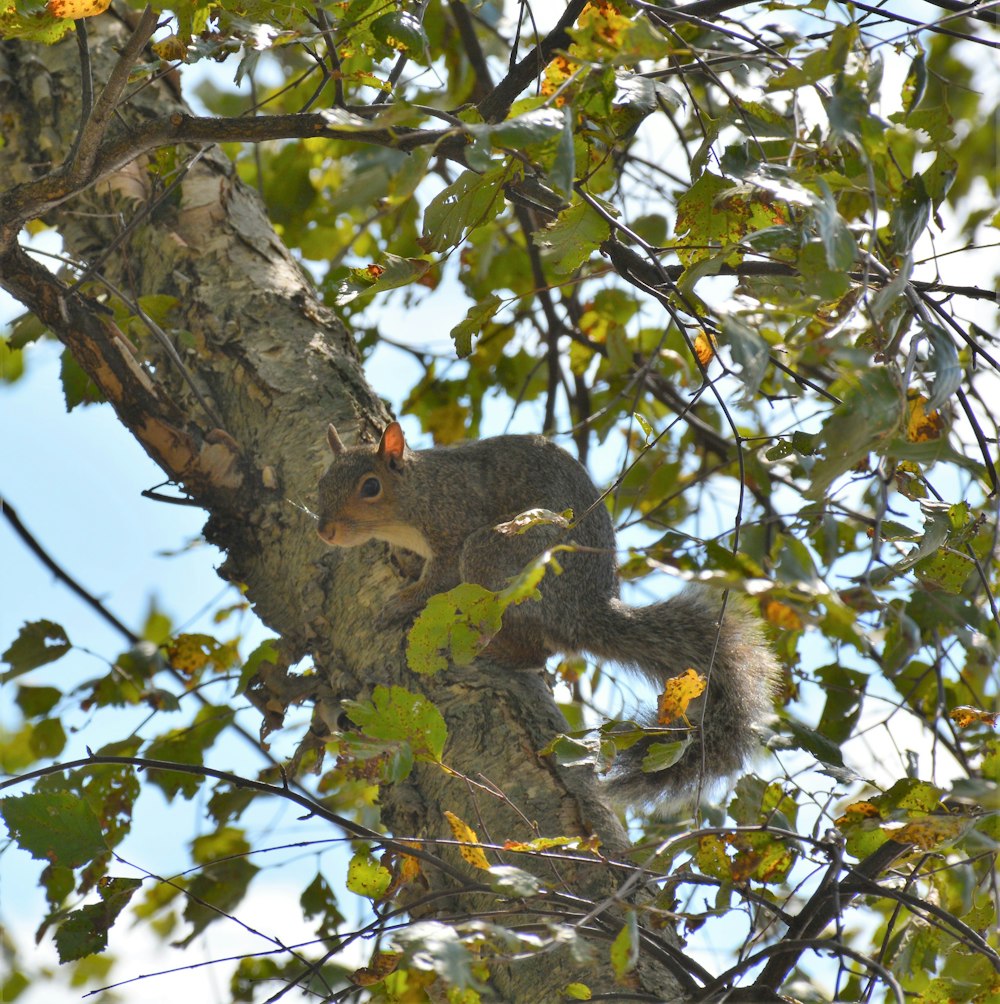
(741,248)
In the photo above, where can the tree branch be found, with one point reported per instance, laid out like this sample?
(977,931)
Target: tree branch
(10,514)
(35,198)
(87,145)
(86,328)
(470,42)
(311,805)
(495,106)
(978,10)
(827,903)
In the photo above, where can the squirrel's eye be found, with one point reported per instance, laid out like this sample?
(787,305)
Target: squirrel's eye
(370,488)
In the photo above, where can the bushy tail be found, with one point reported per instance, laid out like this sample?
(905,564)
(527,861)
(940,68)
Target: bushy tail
(663,641)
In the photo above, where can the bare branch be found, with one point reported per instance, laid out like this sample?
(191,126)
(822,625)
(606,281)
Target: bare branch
(91,136)
(10,514)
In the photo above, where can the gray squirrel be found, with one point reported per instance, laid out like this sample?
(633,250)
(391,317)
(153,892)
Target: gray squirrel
(444,504)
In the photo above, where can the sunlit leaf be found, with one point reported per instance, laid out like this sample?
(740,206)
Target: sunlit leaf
(396,714)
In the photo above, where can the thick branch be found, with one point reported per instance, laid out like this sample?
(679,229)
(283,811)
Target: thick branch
(91,335)
(827,903)
(496,104)
(35,198)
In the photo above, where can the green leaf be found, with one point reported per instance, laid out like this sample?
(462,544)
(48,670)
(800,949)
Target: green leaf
(48,738)
(159,307)
(625,947)
(37,643)
(396,714)
(36,701)
(909,797)
(11,362)
(34,25)
(403,32)
(844,689)
(563,170)
(56,827)
(187,745)
(367,877)
(821,62)
(577,233)
(266,651)
(467,203)
(915,83)
(838,241)
(944,365)
(477,315)
(647,429)
(702,224)
(660,756)
(319,900)
(870,414)
(436,947)
(525,130)
(910,215)
(571,751)
(395,272)
(460,622)
(85,931)
(215,893)
(514,882)
(750,352)
(78,388)
(12,986)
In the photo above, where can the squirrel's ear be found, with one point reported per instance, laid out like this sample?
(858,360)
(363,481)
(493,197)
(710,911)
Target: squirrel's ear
(392,444)
(334,440)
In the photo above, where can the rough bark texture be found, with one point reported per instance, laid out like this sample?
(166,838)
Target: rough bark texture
(273,365)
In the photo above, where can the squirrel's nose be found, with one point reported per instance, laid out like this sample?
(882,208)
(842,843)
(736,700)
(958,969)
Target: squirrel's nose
(328,533)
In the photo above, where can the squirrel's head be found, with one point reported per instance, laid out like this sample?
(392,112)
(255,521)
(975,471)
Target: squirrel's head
(357,494)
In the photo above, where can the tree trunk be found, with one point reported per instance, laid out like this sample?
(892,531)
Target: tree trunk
(240,424)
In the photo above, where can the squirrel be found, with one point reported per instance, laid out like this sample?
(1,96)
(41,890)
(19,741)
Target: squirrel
(444,504)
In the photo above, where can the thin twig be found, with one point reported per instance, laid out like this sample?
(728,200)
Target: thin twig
(91,135)
(60,573)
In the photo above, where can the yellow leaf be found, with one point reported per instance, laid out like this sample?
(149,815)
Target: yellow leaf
(556,74)
(187,653)
(857,811)
(929,832)
(405,869)
(591,844)
(72,9)
(964,716)
(409,867)
(781,615)
(678,693)
(170,49)
(467,835)
(704,347)
(382,964)
(922,425)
